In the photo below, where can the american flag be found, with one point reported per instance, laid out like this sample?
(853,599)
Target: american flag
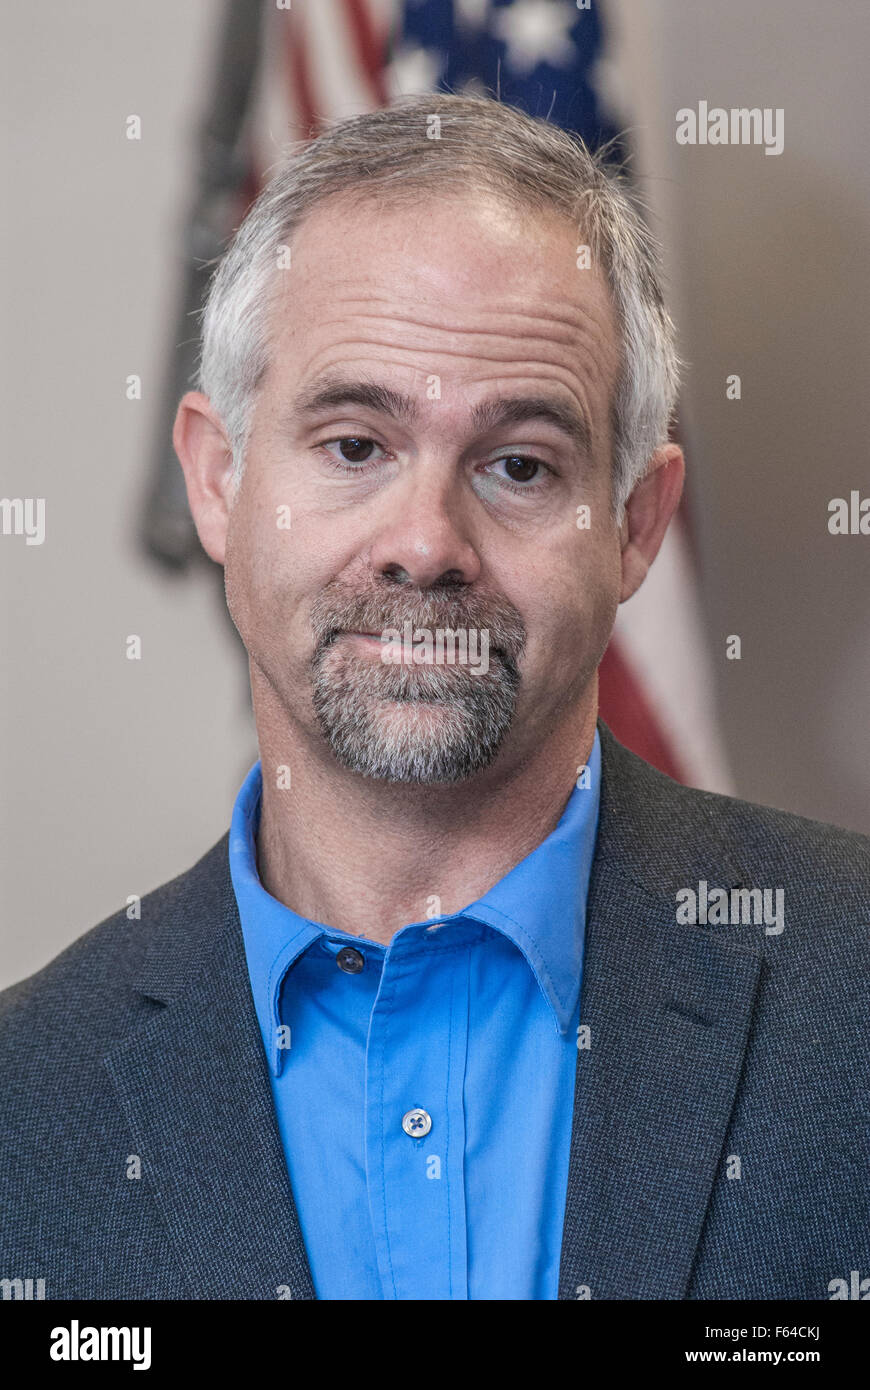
(322,60)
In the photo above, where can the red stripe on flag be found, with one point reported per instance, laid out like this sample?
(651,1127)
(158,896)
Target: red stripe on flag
(371,50)
(626,712)
(301,90)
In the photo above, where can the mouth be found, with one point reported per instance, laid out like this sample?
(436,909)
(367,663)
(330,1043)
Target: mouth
(365,640)
(338,632)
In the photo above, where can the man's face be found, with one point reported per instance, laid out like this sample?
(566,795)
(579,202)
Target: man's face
(435,413)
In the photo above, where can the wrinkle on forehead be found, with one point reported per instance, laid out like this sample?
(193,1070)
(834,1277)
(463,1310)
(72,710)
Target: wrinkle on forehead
(475,292)
(557,321)
(490,335)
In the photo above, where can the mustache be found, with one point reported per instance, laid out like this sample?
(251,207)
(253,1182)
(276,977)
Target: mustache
(338,609)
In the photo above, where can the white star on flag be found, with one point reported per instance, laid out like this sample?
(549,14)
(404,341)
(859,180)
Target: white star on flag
(414,69)
(472,13)
(537,31)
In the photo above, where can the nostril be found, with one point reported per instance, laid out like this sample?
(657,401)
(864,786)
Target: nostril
(397,573)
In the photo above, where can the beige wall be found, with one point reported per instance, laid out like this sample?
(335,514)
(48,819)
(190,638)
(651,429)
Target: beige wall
(117,775)
(768,275)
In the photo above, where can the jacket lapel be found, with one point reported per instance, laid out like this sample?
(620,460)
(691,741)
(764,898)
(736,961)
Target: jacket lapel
(194,1086)
(668,1010)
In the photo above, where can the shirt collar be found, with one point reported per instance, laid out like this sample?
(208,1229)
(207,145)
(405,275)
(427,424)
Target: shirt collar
(539,905)
(274,935)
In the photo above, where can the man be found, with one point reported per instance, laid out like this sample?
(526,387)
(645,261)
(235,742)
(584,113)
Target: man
(470,1003)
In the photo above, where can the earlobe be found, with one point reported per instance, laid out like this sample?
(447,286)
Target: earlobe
(206,459)
(648,512)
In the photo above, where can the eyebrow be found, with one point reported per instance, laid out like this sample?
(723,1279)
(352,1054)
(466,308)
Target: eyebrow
(486,416)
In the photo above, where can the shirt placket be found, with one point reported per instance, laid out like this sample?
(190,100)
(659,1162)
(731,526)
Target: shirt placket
(415,1118)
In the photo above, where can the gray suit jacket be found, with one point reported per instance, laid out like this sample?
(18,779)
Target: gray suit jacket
(721,1114)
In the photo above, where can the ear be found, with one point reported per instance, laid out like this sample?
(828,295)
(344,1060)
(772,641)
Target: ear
(207,460)
(647,513)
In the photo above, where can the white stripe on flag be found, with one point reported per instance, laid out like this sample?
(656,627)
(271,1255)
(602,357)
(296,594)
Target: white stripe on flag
(662,638)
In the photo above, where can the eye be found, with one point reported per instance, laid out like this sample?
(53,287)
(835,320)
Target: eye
(521,469)
(354,449)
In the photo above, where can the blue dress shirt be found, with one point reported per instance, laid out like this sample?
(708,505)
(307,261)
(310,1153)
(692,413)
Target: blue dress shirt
(424,1090)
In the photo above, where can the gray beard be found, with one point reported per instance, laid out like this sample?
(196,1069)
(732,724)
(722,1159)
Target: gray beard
(376,719)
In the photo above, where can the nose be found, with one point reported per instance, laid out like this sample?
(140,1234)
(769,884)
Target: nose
(424,538)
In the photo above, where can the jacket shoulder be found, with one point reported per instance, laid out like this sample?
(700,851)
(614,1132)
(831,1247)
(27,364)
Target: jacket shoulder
(673,835)
(91,982)
(799,845)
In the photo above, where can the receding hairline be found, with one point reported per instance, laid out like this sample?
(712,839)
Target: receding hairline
(396,197)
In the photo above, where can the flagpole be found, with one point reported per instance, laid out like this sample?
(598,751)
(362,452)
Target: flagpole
(166,531)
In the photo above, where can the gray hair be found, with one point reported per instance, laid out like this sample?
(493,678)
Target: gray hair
(481,145)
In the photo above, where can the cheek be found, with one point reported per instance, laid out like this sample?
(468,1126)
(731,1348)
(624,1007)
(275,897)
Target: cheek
(257,554)
(577,600)
(278,557)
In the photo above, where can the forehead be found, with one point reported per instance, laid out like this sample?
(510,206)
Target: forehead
(466,287)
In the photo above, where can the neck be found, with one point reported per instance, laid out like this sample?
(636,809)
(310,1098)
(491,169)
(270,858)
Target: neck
(368,858)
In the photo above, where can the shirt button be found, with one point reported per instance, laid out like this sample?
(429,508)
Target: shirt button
(350,960)
(416,1123)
